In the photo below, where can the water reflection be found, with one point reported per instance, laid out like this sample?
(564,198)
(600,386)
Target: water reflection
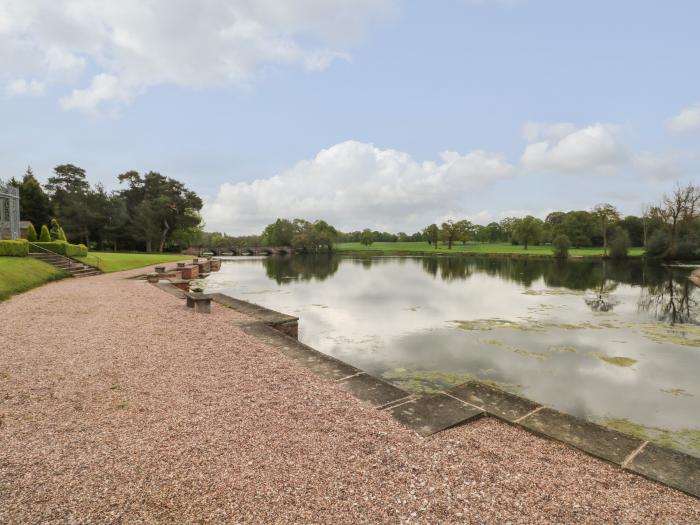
(670,301)
(597,339)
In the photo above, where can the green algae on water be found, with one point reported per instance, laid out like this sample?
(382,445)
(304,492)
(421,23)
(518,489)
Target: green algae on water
(678,334)
(493,324)
(686,440)
(425,381)
(563,349)
(514,349)
(676,392)
(614,360)
(433,381)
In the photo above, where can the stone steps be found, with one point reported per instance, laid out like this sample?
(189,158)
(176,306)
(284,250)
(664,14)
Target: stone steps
(75,268)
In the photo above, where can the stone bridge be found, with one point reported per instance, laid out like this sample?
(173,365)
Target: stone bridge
(244,250)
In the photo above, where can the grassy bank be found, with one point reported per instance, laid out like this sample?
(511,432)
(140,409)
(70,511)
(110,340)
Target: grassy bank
(423,248)
(19,274)
(117,262)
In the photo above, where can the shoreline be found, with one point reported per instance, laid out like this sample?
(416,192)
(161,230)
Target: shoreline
(139,409)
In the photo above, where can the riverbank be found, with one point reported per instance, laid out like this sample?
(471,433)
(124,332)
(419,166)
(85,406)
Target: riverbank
(183,417)
(491,249)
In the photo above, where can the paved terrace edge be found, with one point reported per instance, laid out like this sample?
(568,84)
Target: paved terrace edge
(430,414)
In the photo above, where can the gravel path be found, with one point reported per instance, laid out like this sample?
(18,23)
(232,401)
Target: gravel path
(119,405)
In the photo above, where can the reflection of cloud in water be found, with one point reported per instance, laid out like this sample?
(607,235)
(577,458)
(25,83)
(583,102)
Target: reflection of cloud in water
(390,313)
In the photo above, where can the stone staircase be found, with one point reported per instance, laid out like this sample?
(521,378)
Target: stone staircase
(73,267)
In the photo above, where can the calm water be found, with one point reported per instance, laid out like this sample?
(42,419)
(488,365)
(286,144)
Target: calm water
(616,343)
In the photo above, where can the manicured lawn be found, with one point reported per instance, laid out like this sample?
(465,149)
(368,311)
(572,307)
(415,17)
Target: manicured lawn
(116,262)
(19,274)
(424,247)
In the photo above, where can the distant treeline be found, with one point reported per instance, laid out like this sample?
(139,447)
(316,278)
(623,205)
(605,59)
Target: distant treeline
(152,212)
(671,228)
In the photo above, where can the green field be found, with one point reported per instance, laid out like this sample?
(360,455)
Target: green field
(391,248)
(19,274)
(117,262)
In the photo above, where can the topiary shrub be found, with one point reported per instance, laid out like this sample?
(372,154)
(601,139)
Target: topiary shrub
(619,244)
(18,248)
(658,244)
(44,236)
(31,233)
(61,235)
(560,246)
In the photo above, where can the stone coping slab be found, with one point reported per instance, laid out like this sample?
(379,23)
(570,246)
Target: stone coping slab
(431,414)
(171,289)
(594,439)
(321,364)
(495,401)
(670,467)
(372,389)
(254,310)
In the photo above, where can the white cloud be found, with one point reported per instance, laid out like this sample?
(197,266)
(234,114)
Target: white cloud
(357,185)
(669,165)
(20,87)
(132,45)
(687,120)
(563,148)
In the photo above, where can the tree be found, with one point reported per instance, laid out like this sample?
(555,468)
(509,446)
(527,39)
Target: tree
(579,227)
(34,205)
(606,214)
(619,243)
(452,231)
(682,206)
(507,227)
(560,245)
(68,189)
(528,230)
(44,236)
(31,233)
(366,237)
(158,206)
(431,234)
(279,233)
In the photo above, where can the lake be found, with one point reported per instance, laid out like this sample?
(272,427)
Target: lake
(617,343)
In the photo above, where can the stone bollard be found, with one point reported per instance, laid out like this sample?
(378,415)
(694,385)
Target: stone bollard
(160,269)
(195,260)
(190,272)
(181,264)
(153,277)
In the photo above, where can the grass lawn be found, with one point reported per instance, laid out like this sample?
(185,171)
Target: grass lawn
(495,248)
(116,262)
(19,274)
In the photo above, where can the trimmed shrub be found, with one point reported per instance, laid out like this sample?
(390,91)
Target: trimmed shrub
(76,250)
(64,248)
(44,236)
(619,244)
(31,233)
(561,245)
(658,244)
(61,235)
(18,248)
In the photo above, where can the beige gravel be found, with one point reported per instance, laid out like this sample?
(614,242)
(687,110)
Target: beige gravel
(119,405)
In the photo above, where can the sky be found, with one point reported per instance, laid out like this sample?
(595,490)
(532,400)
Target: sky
(387,114)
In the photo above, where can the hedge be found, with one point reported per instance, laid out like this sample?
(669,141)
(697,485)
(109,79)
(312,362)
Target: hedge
(18,248)
(64,248)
